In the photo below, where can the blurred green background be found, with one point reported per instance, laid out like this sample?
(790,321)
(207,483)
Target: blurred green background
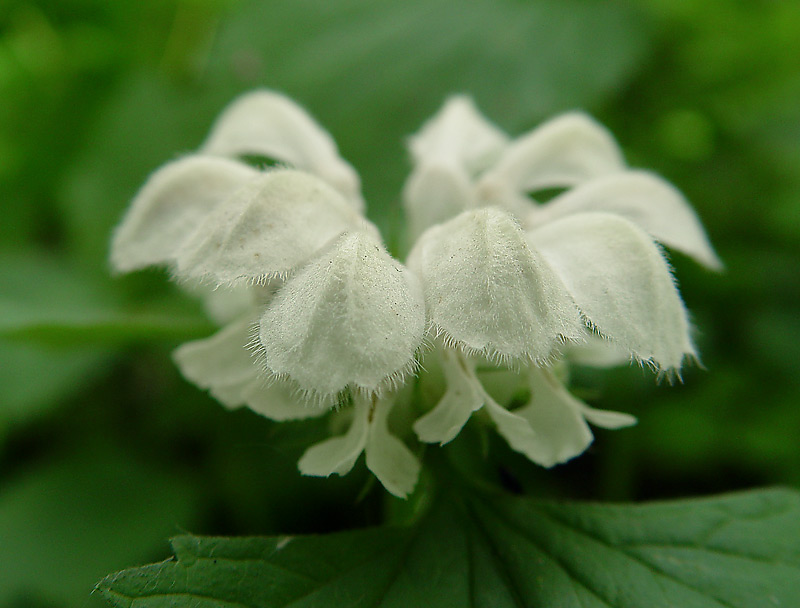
(105,451)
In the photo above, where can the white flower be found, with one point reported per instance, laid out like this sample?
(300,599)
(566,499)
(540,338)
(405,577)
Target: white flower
(321,309)
(510,280)
(461,161)
(317,314)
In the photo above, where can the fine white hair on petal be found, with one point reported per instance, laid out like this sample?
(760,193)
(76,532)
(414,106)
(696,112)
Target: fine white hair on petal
(434,193)
(458,133)
(222,363)
(266,123)
(564,151)
(644,198)
(621,283)
(225,365)
(265,229)
(169,207)
(339,454)
(351,317)
(597,351)
(387,457)
(280,401)
(488,292)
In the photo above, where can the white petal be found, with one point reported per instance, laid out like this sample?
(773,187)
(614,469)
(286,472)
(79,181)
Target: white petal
(621,283)
(458,133)
(388,458)
(275,222)
(434,193)
(169,207)
(556,417)
(488,292)
(223,304)
(338,455)
(353,316)
(222,364)
(462,397)
(515,429)
(645,199)
(607,419)
(266,123)
(597,351)
(279,401)
(564,151)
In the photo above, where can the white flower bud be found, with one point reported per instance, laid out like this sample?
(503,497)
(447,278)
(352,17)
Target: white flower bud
(458,133)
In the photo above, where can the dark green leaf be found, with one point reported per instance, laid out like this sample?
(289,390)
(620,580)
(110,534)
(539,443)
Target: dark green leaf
(35,378)
(735,551)
(64,524)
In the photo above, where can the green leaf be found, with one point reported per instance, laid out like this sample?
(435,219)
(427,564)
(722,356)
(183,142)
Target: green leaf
(55,302)
(63,524)
(371,72)
(36,378)
(734,551)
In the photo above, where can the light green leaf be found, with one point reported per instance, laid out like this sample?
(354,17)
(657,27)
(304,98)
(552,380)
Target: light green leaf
(64,524)
(734,551)
(55,302)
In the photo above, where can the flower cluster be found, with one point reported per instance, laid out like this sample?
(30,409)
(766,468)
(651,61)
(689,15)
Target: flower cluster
(317,316)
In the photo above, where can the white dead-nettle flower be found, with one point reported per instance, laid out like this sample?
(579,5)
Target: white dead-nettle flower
(317,315)
(509,280)
(462,161)
(314,307)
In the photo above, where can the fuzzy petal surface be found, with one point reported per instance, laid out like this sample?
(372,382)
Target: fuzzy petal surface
(388,458)
(279,401)
(434,193)
(170,206)
(647,200)
(564,151)
(597,351)
(274,223)
(621,283)
(266,123)
(460,133)
(222,364)
(352,316)
(490,293)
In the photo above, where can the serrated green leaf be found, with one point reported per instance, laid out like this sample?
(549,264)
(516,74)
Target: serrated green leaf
(735,551)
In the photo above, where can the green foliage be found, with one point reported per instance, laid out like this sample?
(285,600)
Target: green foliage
(478,549)
(96,94)
(63,524)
